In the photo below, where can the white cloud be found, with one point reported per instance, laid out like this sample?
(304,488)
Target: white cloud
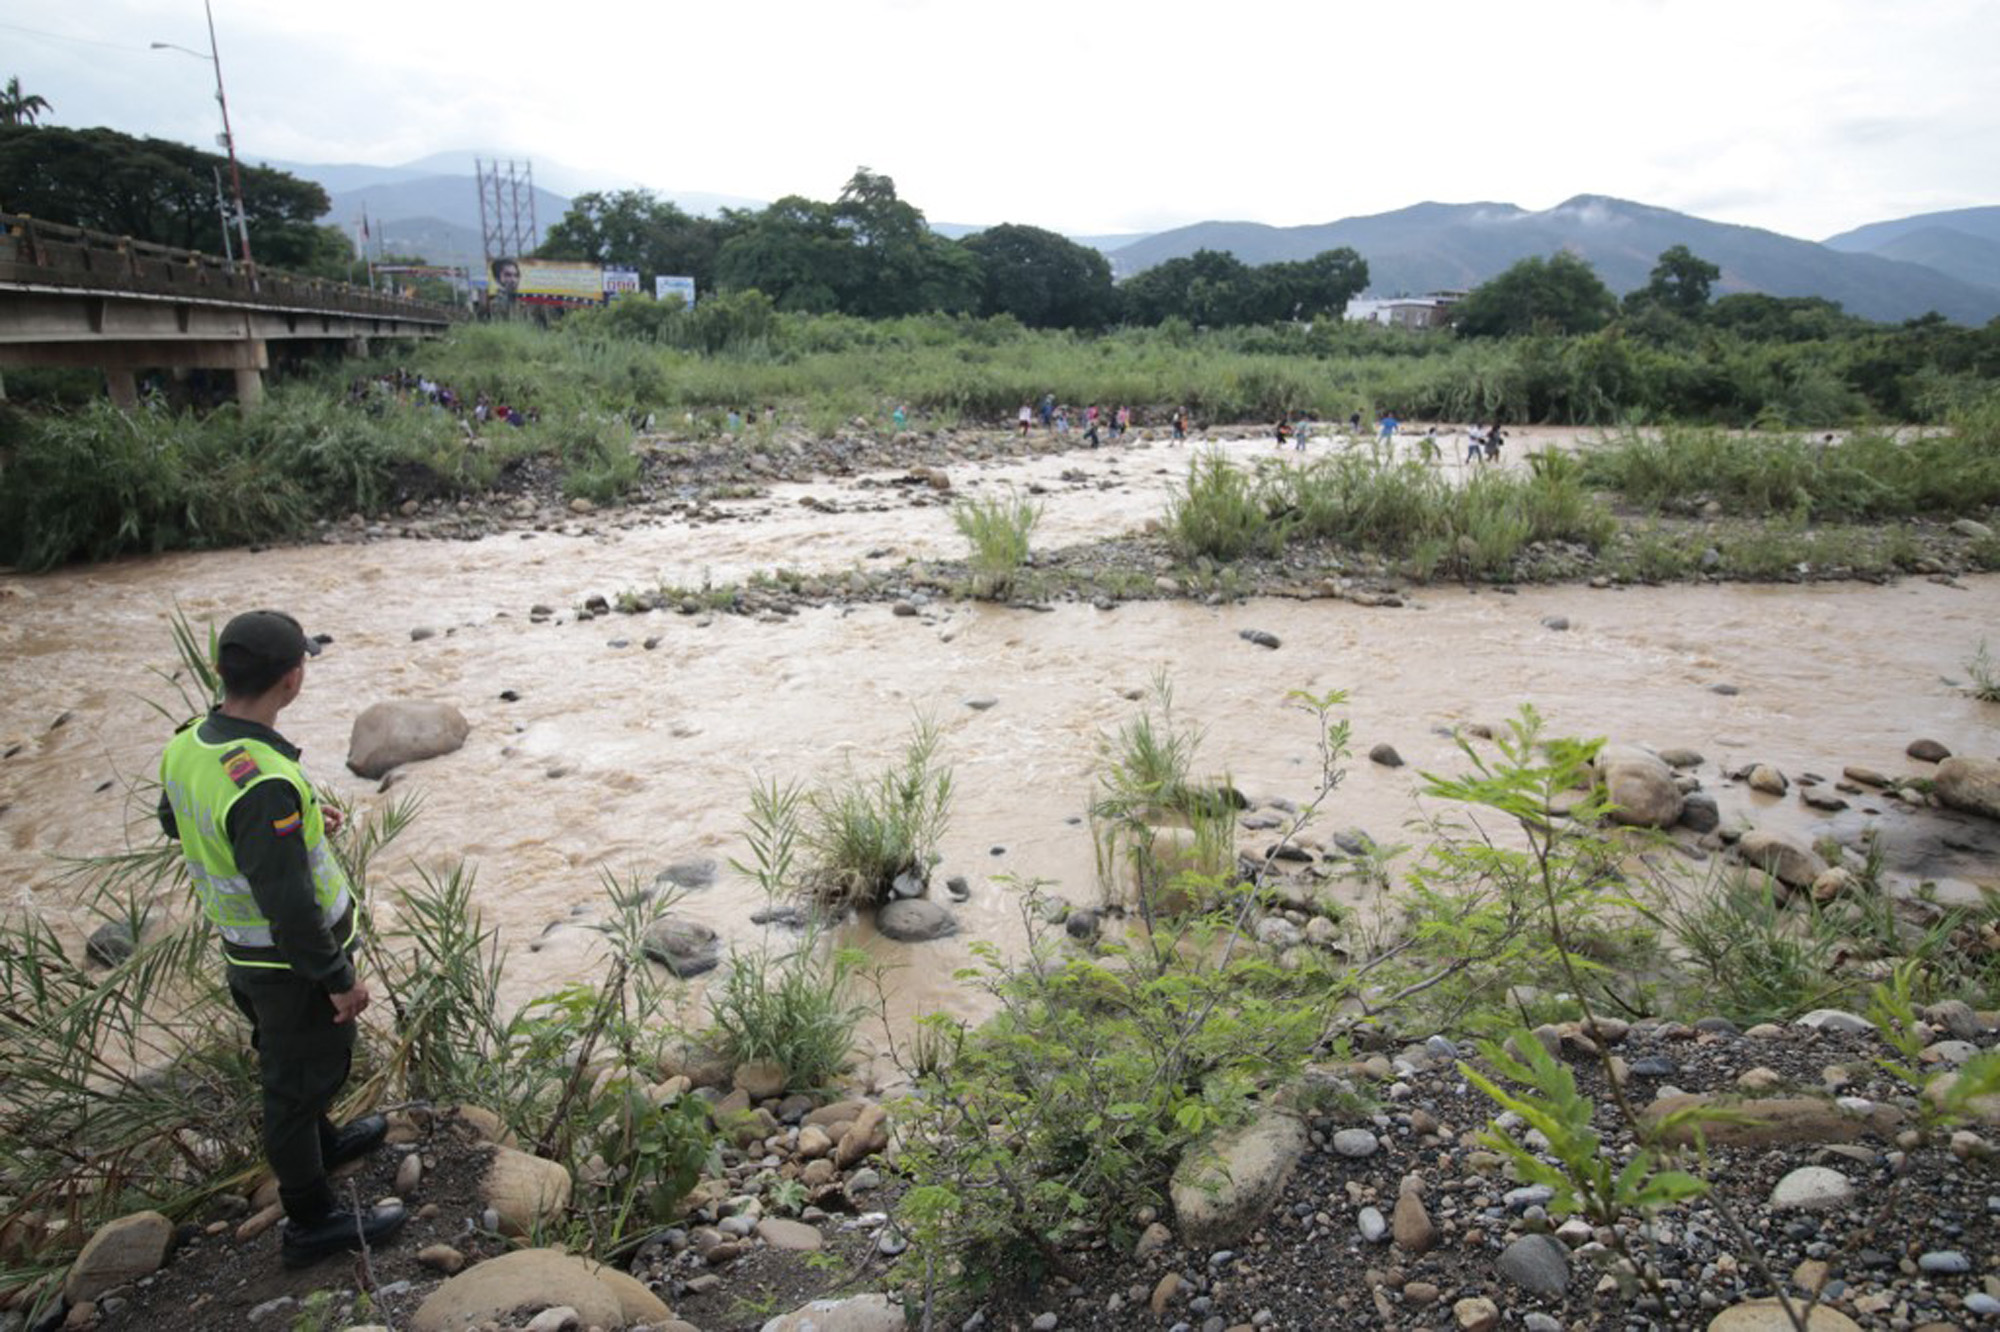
(1095,115)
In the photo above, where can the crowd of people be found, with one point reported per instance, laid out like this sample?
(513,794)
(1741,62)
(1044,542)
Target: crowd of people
(407,386)
(1057,418)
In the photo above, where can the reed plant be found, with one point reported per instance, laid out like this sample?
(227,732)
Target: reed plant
(1218,514)
(997,528)
(861,833)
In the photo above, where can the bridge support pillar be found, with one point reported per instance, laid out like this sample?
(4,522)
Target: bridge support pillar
(249,388)
(358,347)
(123,386)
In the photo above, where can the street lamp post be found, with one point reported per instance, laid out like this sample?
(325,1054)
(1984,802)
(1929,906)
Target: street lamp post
(214,57)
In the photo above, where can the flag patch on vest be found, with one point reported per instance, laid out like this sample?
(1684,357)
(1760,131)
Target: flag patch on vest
(240,766)
(286,826)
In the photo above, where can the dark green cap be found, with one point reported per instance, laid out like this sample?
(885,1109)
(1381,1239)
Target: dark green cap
(271,636)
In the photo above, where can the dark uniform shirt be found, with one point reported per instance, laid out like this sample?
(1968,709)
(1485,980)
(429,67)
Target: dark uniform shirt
(277,867)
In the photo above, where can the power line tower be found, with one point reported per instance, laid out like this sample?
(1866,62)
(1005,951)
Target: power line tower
(506,199)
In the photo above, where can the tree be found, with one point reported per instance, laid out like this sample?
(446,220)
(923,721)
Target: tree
(1560,294)
(1298,289)
(155,190)
(1209,287)
(18,108)
(795,252)
(867,254)
(635,229)
(903,266)
(1680,282)
(1764,318)
(1042,279)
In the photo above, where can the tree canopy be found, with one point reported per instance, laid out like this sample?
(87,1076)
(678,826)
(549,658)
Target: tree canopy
(157,190)
(1560,294)
(1042,279)
(1216,289)
(636,229)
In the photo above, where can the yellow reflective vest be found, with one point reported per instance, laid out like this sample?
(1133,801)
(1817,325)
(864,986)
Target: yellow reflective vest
(203,781)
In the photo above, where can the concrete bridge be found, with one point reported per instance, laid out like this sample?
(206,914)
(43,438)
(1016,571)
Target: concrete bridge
(70,297)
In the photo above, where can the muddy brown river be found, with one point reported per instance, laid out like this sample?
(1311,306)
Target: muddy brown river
(619,759)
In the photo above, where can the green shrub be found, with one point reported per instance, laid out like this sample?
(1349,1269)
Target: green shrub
(795,1010)
(998,530)
(1218,513)
(862,833)
(1753,961)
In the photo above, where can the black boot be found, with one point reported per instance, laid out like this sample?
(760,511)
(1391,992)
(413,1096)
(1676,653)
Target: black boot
(340,1232)
(364,1135)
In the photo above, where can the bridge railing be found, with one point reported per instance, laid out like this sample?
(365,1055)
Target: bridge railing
(52,254)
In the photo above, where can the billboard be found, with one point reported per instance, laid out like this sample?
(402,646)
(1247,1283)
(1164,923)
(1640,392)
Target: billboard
(548,282)
(620,282)
(682,287)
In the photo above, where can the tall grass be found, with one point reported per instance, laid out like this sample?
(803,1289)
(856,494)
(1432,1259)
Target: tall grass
(1870,475)
(1476,528)
(997,529)
(1218,513)
(861,833)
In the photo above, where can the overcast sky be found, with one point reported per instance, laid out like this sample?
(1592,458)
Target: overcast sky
(1089,116)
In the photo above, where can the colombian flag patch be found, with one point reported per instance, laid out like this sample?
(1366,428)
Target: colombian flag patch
(286,826)
(240,766)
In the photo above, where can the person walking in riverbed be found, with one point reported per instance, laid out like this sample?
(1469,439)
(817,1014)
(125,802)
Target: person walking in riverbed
(254,836)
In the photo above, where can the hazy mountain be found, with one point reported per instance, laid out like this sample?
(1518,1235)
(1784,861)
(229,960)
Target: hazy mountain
(1953,253)
(431,206)
(1434,246)
(1981,222)
(1963,243)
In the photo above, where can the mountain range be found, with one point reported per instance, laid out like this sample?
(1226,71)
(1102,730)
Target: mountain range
(1876,273)
(1891,270)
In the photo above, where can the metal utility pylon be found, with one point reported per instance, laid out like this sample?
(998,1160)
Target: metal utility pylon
(506,198)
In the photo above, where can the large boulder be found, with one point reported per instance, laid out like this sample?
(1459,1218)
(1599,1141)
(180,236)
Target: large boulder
(859,1313)
(1150,862)
(1640,786)
(685,947)
(1222,1191)
(1785,1121)
(1970,784)
(638,1305)
(403,730)
(1771,1316)
(915,920)
(1782,856)
(514,1287)
(525,1190)
(119,1253)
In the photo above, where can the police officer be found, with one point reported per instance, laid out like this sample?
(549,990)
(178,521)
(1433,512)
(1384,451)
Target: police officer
(255,839)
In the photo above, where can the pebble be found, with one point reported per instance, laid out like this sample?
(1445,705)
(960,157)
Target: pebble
(1983,1304)
(1833,1019)
(1412,1225)
(1538,1264)
(1476,1314)
(1374,1227)
(1811,1188)
(1356,1143)
(1946,1262)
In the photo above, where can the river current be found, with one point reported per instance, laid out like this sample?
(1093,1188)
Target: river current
(616,759)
